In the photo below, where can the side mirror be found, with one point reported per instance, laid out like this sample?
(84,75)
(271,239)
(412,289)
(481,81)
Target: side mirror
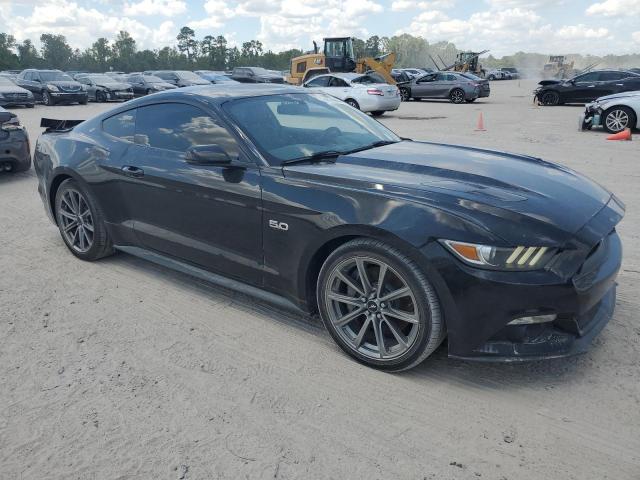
(207,155)
(5,116)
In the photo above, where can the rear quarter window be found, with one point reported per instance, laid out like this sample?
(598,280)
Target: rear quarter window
(121,126)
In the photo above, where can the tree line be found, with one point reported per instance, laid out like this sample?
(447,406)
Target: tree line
(215,53)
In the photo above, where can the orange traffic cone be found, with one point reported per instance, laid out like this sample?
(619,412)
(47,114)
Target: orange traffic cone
(623,135)
(480,127)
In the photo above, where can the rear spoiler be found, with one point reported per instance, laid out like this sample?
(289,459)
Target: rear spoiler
(53,125)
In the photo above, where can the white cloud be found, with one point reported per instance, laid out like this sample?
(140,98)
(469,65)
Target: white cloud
(167,8)
(636,36)
(576,32)
(82,26)
(409,5)
(613,8)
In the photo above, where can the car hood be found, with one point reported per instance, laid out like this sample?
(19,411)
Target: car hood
(63,83)
(550,82)
(618,95)
(12,89)
(517,196)
(114,85)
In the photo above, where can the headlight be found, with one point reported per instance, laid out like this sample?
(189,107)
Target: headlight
(501,258)
(53,88)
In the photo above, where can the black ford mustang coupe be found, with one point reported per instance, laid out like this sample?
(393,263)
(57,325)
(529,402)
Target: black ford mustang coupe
(303,200)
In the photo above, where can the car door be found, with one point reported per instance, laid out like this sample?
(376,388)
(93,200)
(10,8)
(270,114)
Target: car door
(583,88)
(210,216)
(91,88)
(137,84)
(425,87)
(338,88)
(611,82)
(319,83)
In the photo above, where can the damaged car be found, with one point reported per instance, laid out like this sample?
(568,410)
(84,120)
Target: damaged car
(15,153)
(103,88)
(586,87)
(298,199)
(614,113)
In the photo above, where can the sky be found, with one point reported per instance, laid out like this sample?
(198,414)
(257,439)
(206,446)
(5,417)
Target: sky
(502,26)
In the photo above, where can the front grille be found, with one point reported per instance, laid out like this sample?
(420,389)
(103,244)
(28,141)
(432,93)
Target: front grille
(70,88)
(16,96)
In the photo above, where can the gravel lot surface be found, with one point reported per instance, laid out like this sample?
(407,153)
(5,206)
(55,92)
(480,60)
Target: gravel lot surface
(121,369)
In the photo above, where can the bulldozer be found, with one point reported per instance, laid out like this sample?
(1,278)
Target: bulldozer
(465,62)
(557,68)
(338,56)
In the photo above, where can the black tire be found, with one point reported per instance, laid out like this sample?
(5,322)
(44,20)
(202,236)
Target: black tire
(101,245)
(617,119)
(85,101)
(100,96)
(550,98)
(425,334)
(31,105)
(378,113)
(405,94)
(352,102)
(457,95)
(47,99)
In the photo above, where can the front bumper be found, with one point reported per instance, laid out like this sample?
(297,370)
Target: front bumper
(480,304)
(64,97)
(119,95)
(14,102)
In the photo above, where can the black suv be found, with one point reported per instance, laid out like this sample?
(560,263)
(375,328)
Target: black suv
(52,86)
(255,75)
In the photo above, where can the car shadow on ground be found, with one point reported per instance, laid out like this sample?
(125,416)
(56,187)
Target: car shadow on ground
(9,177)
(485,375)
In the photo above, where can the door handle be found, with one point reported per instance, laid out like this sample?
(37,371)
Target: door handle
(133,171)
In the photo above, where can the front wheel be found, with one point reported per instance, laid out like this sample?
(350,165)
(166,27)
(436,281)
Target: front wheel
(550,98)
(81,222)
(379,306)
(405,94)
(47,99)
(457,95)
(616,119)
(378,113)
(101,97)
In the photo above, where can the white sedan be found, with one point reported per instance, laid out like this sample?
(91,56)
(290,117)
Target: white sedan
(365,92)
(613,112)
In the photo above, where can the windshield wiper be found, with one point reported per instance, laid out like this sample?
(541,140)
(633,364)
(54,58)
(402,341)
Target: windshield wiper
(316,157)
(379,143)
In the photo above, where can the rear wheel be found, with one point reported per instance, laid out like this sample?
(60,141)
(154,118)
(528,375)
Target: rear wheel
(405,94)
(616,119)
(352,102)
(100,97)
(457,95)
(81,222)
(550,98)
(379,306)
(378,113)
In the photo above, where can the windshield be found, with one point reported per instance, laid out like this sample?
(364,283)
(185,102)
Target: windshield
(295,126)
(100,79)
(152,79)
(192,77)
(55,77)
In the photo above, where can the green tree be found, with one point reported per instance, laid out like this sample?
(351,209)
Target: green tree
(372,46)
(124,50)
(8,59)
(187,43)
(28,55)
(56,52)
(101,54)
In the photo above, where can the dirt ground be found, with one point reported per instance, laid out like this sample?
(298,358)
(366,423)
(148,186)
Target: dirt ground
(121,369)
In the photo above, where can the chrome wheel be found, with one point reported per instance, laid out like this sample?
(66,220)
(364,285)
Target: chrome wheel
(372,308)
(76,221)
(457,96)
(617,120)
(404,95)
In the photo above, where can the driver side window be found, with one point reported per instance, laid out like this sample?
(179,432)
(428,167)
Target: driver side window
(588,77)
(427,78)
(319,82)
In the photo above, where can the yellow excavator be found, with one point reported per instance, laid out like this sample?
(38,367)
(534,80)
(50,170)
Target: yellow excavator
(337,56)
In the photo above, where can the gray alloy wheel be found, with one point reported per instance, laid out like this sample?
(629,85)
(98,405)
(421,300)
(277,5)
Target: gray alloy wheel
(405,95)
(550,98)
(457,95)
(352,102)
(617,119)
(75,221)
(378,305)
(46,98)
(100,96)
(81,222)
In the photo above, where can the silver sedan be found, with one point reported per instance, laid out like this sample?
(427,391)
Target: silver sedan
(453,86)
